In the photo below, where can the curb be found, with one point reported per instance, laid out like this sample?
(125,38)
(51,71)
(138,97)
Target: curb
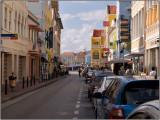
(54,80)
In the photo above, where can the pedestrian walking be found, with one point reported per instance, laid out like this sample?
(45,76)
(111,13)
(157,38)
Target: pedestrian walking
(153,73)
(129,71)
(79,71)
(121,71)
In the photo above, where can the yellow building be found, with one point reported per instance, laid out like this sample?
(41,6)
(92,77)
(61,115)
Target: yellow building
(152,35)
(97,46)
(14,52)
(137,34)
(48,39)
(110,16)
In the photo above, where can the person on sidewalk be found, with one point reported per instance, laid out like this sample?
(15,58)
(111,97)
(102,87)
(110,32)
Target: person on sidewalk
(153,73)
(121,71)
(79,71)
(144,72)
(129,71)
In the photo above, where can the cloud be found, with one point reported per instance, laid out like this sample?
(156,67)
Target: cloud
(78,1)
(92,15)
(67,17)
(75,40)
(96,15)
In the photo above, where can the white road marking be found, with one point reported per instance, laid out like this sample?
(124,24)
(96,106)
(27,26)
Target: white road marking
(78,102)
(79,98)
(77,106)
(76,112)
(75,118)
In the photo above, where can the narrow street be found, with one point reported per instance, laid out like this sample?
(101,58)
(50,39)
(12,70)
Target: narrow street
(64,99)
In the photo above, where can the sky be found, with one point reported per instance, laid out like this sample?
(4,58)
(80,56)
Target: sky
(79,18)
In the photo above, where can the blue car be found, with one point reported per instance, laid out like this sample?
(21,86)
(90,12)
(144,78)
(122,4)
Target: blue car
(123,95)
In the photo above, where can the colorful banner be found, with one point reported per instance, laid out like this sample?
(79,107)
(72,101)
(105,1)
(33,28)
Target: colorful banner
(105,23)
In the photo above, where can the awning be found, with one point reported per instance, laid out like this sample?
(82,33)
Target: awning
(135,54)
(119,60)
(105,49)
(33,52)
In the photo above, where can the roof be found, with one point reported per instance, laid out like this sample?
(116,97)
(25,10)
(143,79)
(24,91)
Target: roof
(97,33)
(68,53)
(111,9)
(89,54)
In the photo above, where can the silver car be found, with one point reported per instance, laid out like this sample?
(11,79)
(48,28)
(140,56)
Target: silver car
(148,110)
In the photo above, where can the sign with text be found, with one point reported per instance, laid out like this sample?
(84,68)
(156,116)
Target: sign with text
(105,23)
(9,36)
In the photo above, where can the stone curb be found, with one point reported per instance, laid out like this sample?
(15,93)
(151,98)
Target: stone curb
(20,94)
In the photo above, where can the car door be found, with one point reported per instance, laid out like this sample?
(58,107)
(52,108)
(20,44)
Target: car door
(101,103)
(111,98)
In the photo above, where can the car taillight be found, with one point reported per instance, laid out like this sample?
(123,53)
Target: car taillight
(117,113)
(103,92)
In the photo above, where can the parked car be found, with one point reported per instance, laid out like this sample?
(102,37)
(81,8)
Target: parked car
(123,95)
(94,84)
(88,75)
(102,87)
(148,110)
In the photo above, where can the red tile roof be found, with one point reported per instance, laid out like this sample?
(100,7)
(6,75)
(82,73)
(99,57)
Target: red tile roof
(89,54)
(112,9)
(97,33)
(68,53)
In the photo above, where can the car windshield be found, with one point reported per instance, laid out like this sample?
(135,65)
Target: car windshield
(140,92)
(108,80)
(98,78)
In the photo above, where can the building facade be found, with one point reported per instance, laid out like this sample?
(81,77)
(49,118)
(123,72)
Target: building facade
(98,50)
(137,34)
(14,52)
(88,59)
(123,14)
(68,58)
(34,44)
(152,56)
(80,58)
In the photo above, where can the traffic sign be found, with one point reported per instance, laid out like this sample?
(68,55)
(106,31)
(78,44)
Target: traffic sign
(9,36)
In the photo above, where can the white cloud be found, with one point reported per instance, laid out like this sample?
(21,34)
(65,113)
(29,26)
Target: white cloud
(95,15)
(75,40)
(79,1)
(67,17)
(92,15)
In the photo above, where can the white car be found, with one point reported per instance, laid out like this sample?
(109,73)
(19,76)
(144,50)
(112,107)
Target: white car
(102,87)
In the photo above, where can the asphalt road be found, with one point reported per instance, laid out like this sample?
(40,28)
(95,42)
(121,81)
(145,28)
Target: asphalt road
(64,99)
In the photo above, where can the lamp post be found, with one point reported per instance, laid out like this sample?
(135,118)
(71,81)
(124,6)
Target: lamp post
(123,45)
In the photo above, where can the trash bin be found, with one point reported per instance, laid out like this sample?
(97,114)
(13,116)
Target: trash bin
(12,81)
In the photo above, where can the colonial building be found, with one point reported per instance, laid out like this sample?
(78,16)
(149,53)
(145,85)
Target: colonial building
(34,44)
(152,35)
(14,52)
(68,58)
(80,58)
(98,50)
(88,59)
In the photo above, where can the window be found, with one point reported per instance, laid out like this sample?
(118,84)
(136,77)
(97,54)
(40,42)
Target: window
(96,43)
(5,21)
(10,20)
(140,92)
(35,36)
(25,23)
(22,25)
(95,55)
(19,24)
(15,22)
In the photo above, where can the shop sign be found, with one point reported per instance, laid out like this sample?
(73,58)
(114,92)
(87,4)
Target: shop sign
(9,36)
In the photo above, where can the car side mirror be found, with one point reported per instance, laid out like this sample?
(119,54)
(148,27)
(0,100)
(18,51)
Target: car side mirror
(97,95)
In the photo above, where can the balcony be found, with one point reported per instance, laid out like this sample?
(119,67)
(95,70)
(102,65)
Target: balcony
(124,22)
(124,30)
(95,46)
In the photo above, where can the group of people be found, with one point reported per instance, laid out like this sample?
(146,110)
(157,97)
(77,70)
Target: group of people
(130,71)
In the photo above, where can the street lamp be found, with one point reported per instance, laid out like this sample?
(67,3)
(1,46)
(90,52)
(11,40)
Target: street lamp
(123,45)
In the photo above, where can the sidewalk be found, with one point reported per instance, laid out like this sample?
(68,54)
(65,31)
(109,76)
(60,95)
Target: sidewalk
(18,90)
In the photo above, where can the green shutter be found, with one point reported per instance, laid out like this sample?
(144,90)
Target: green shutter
(32,35)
